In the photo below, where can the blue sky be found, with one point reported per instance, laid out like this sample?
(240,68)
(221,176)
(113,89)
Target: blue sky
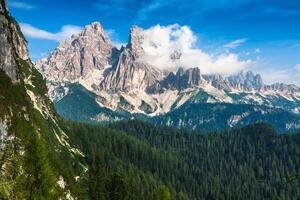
(265,31)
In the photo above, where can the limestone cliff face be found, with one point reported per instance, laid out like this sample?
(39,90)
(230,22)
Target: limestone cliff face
(135,41)
(128,72)
(12,44)
(246,81)
(29,126)
(79,56)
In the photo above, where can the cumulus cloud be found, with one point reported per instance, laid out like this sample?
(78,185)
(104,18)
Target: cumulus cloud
(235,43)
(257,50)
(65,32)
(289,75)
(21,5)
(173,46)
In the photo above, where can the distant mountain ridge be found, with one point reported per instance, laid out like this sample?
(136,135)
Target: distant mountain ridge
(123,82)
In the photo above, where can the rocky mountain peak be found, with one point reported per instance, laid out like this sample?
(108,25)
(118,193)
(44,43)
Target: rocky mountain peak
(217,81)
(180,71)
(95,29)
(246,81)
(79,56)
(128,74)
(193,77)
(284,88)
(135,40)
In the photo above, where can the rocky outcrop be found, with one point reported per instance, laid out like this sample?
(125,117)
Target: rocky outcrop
(80,55)
(284,88)
(128,74)
(135,41)
(190,78)
(246,81)
(12,43)
(218,82)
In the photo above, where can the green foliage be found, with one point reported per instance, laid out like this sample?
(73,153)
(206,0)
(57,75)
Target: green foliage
(36,162)
(32,163)
(249,163)
(161,193)
(218,116)
(81,105)
(42,182)
(97,180)
(119,187)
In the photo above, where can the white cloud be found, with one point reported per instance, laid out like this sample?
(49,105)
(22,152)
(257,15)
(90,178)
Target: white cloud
(297,67)
(160,43)
(235,43)
(66,32)
(271,76)
(257,50)
(284,75)
(21,5)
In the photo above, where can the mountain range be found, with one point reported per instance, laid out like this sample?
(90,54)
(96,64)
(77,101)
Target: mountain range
(119,84)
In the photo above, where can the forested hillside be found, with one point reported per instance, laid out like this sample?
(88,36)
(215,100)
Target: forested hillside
(249,163)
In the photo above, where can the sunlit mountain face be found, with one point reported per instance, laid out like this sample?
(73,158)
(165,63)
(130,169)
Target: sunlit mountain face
(151,78)
(148,58)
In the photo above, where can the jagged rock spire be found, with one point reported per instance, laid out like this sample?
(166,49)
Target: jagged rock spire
(246,81)
(135,40)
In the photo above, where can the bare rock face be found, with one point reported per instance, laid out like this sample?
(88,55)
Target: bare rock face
(218,82)
(190,78)
(284,88)
(79,56)
(12,44)
(128,74)
(135,41)
(246,81)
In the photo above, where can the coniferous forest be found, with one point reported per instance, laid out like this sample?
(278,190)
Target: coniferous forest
(135,160)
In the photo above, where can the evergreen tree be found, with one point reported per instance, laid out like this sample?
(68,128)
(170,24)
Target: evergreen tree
(161,193)
(97,181)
